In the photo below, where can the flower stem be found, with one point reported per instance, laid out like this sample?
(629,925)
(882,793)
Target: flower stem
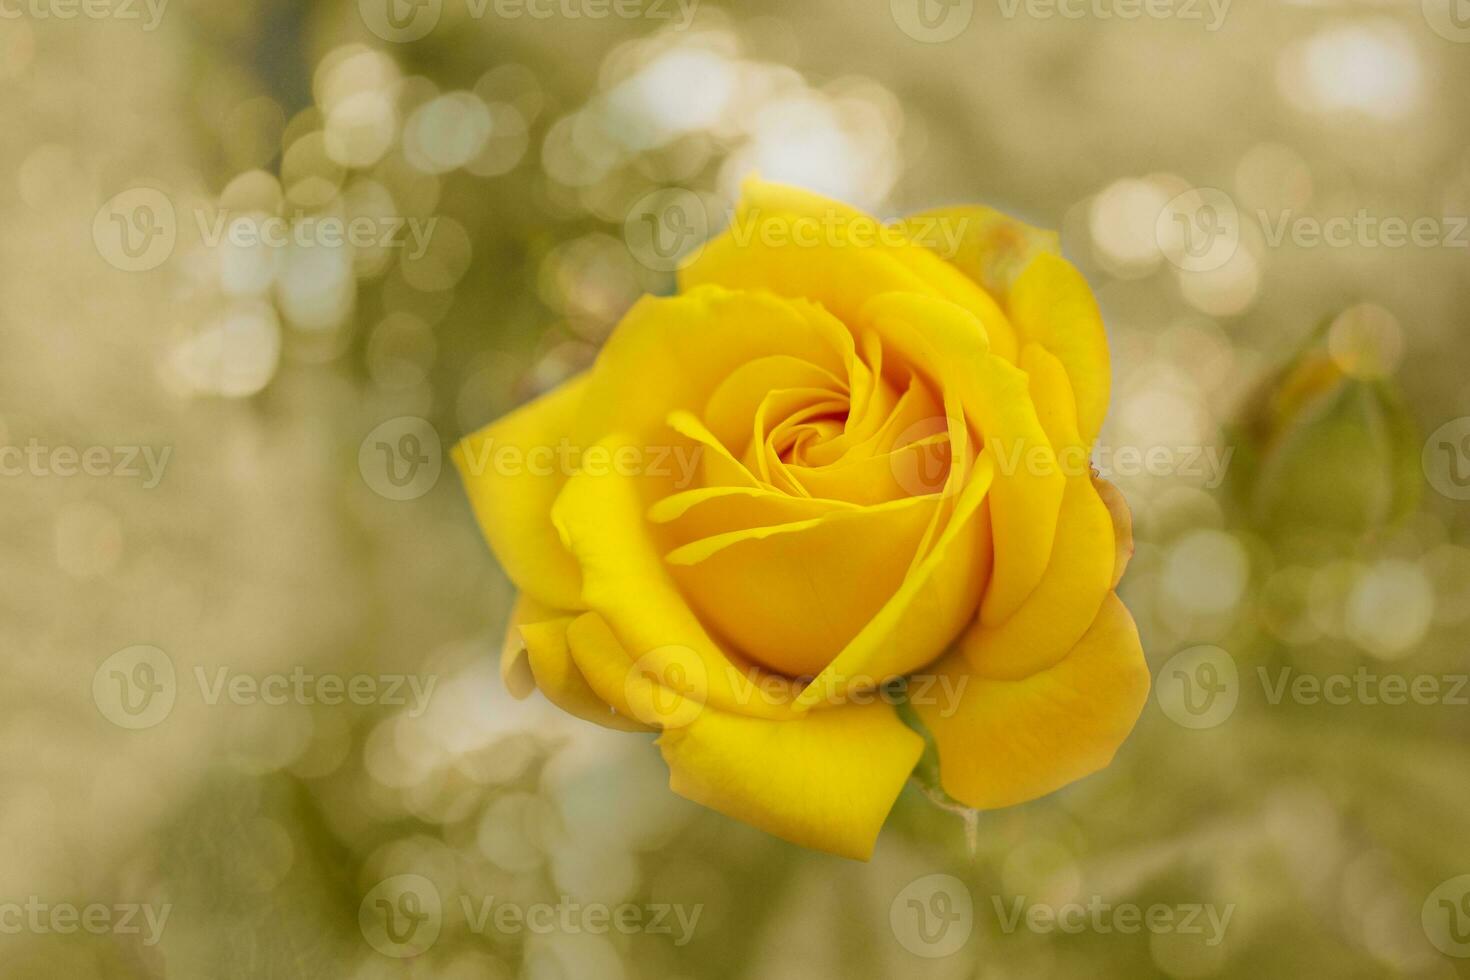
(970,817)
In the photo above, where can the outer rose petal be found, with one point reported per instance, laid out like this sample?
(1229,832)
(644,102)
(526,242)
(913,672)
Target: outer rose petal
(1047,300)
(515,665)
(561,680)
(825,781)
(1079,572)
(672,353)
(514,509)
(536,656)
(994,248)
(1122,526)
(1052,306)
(1063,606)
(766,248)
(1012,741)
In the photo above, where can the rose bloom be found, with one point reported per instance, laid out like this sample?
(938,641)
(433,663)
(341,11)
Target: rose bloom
(824,480)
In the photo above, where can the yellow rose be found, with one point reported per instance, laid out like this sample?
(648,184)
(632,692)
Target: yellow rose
(834,461)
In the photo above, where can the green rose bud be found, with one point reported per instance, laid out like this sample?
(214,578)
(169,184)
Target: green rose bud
(1328,443)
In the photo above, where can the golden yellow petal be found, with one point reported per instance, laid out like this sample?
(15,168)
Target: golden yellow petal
(1004,742)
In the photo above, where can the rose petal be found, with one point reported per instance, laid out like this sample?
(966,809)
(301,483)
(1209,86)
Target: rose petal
(734,403)
(993,248)
(1004,742)
(513,506)
(825,781)
(707,511)
(792,596)
(600,517)
(558,677)
(672,353)
(1045,298)
(1052,305)
(1122,526)
(515,667)
(851,262)
(1063,606)
(997,402)
(922,617)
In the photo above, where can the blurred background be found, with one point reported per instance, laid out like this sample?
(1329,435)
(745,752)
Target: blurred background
(262,262)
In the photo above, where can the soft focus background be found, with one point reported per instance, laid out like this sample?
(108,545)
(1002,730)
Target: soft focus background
(295,520)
